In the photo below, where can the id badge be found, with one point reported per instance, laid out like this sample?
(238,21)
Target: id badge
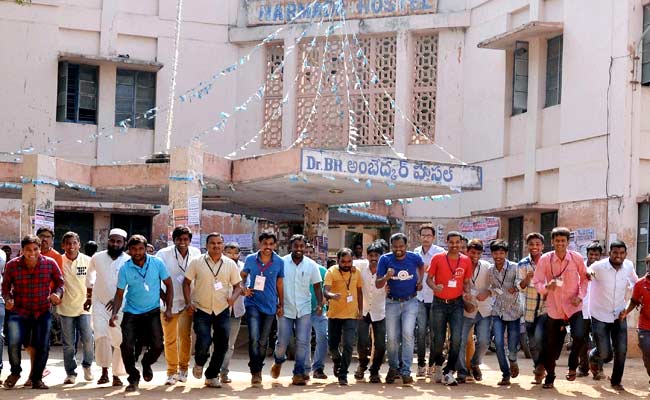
(180,279)
(218,285)
(260,281)
(559,282)
(146,287)
(451,283)
(473,292)
(350,299)
(498,291)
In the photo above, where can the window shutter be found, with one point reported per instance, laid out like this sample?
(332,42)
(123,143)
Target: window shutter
(642,247)
(554,71)
(520,79)
(645,55)
(62,90)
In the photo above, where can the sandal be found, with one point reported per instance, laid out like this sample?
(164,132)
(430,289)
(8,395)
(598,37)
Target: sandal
(103,380)
(547,386)
(571,375)
(11,380)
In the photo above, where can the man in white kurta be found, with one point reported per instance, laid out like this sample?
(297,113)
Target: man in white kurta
(101,282)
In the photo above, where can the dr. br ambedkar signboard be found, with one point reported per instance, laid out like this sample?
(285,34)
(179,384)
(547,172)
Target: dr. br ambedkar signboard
(274,12)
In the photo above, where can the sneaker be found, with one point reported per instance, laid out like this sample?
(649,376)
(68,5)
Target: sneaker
(256,378)
(197,371)
(375,378)
(449,380)
(514,369)
(391,376)
(437,376)
(132,387)
(275,370)
(213,383)
(88,374)
(225,378)
(182,376)
(319,374)
(477,374)
(358,375)
(422,372)
(171,380)
(407,380)
(70,380)
(343,380)
(298,380)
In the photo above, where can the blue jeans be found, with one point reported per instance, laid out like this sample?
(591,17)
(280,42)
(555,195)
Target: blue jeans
(442,314)
(535,332)
(499,327)
(2,326)
(212,330)
(259,329)
(319,323)
(400,330)
(74,329)
(422,326)
(29,331)
(606,336)
(287,328)
(644,345)
(342,331)
(482,330)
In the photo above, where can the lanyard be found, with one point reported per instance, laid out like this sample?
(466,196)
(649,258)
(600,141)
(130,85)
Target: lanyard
(565,267)
(347,284)
(476,273)
(261,266)
(211,270)
(187,259)
(505,273)
(453,271)
(145,268)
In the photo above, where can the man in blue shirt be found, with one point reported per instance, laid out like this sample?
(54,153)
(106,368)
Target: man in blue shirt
(300,274)
(141,326)
(403,271)
(264,299)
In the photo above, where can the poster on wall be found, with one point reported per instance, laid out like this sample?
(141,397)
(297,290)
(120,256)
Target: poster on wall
(321,247)
(580,239)
(42,219)
(245,242)
(484,228)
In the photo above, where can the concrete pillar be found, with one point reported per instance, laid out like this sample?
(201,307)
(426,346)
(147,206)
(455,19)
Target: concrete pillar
(101,228)
(39,177)
(186,189)
(536,95)
(315,230)
(289,90)
(403,95)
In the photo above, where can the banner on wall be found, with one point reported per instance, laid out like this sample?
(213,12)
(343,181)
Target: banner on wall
(580,239)
(42,219)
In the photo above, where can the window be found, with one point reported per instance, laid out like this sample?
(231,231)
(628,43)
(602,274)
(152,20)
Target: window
(76,99)
(645,57)
(424,88)
(135,93)
(548,222)
(642,242)
(554,71)
(272,135)
(520,79)
(515,238)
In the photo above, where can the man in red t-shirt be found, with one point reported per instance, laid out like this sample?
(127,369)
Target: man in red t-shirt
(641,297)
(449,276)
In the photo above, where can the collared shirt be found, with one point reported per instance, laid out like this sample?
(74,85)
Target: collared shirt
(143,284)
(176,267)
(608,288)
(3,261)
(213,282)
(641,296)
(345,284)
(74,275)
(297,281)
(480,281)
(102,276)
(30,288)
(573,273)
(374,300)
(314,301)
(426,294)
(266,301)
(534,303)
(506,305)
(451,274)
(404,283)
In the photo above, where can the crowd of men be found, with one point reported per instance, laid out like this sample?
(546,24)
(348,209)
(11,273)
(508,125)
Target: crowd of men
(124,304)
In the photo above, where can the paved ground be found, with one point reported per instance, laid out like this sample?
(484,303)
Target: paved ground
(635,382)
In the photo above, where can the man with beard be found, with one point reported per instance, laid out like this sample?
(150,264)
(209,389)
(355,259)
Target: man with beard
(264,299)
(101,284)
(30,285)
(403,272)
(178,330)
(140,278)
(300,274)
(610,280)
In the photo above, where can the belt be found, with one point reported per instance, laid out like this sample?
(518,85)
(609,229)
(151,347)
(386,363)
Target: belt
(401,299)
(449,301)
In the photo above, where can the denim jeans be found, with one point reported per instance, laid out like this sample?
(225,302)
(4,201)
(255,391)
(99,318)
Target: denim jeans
(606,336)
(483,335)
(442,314)
(212,330)
(319,323)
(535,332)
(74,329)
(422,326)
(400,331)
(140,331)
(2,326)
(259,329)
(365,347)
(499,327)
(342,331)
(288,328)
(554,336)
(235,324)
(29,331)
(644,345)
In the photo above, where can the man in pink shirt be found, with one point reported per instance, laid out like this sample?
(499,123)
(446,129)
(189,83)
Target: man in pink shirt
(561,276)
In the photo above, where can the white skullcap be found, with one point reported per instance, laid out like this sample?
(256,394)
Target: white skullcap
(117,231)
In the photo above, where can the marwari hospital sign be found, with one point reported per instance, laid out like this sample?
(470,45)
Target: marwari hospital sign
(274,12)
